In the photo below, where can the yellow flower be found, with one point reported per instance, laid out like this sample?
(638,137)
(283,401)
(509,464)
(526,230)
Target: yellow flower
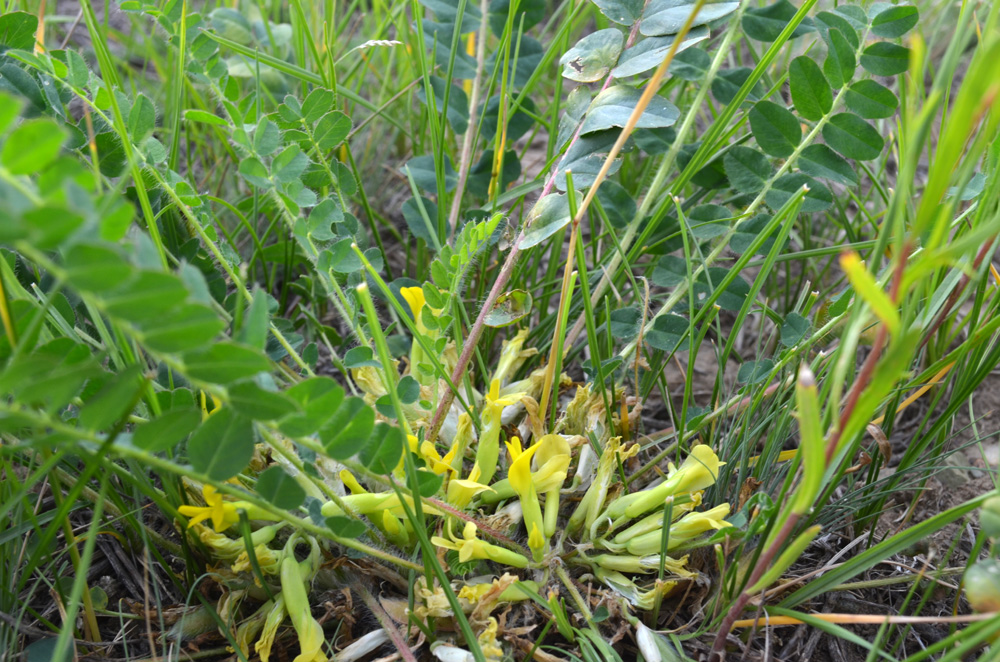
(488,451)
(461,491)
(223,514)
(470,547)
(436,463)
(519,476)
(414,297)
(699,470)
(552,460)
(688,528)
(310,633)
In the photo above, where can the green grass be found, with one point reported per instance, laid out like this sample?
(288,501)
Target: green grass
(303,271)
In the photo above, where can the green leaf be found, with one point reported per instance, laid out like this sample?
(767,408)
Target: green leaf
(422,170)
(222,446)
(361,357)
(811,92)
(280,489)
(95,268)
(885,59)
(548,216)
(776,130)
(649,52)
(668,16)
(895,21)
(319,398)
(821,161)
(827,21)
(818,198)
(853,137)
(458,103)
(32,146)
(382,452)
(17,30)
(794,329)
(10,108)
(669,333)
(624,323)
(419,227)
(250,400)
(624,12)
(840,62)
(691,64)
(347,429)
(189,326)
(747,169)
(204,117)
(317,104)
(255,324)
(586,158)
(747,231)
(166,431)
(614,106)
(141,119)
(408,390)
(708,221)
(766,23)
(255,172)
(151,295)
(670,271)
(266,138)
(753,372)
(729,81)
(113,401)
(510,308)
(289,165)
(428,483)
(593,56)
(731,298)
(225,363)
(345,527)
(871,100)
(332,129)
(617,203)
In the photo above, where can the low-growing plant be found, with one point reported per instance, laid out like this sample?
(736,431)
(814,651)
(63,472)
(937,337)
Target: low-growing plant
(584,329)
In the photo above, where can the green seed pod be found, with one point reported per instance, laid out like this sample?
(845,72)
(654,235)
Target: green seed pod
(982,586)
(989,517)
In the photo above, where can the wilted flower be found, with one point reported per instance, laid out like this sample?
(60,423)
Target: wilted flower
(226,548)
(274,619)
(251,627)
(488,642)
(643,564)
(512,357)
(593,501)
(470,547)
(641,598)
